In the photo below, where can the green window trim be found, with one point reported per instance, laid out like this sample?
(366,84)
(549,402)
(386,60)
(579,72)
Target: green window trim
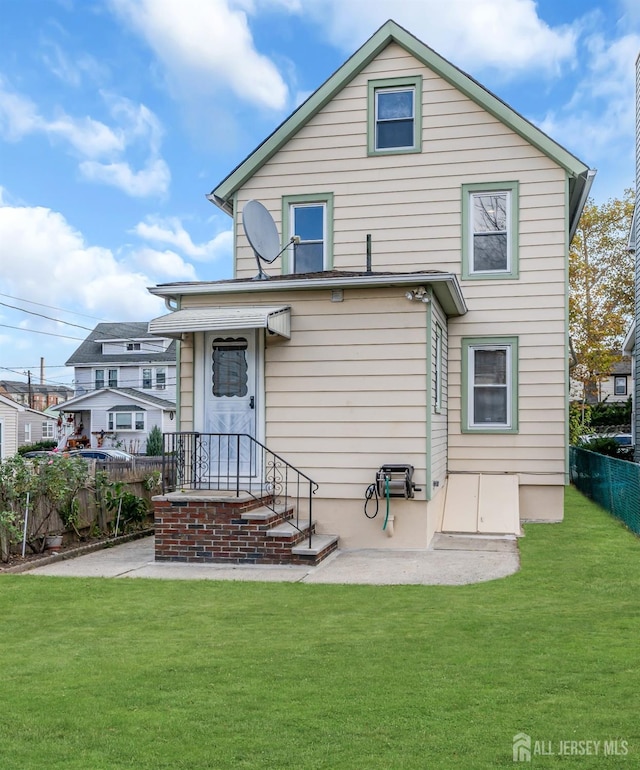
(437,406)
(513,189)
(389,83)
(289,200)
(512,383)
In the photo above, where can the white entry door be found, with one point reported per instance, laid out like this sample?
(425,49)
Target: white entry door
(230,401)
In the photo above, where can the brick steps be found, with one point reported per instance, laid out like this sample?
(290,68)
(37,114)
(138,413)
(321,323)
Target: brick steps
(217,526)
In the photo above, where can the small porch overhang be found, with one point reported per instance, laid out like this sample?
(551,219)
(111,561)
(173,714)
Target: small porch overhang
(276,319)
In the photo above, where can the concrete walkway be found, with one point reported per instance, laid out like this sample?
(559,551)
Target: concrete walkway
(367,566)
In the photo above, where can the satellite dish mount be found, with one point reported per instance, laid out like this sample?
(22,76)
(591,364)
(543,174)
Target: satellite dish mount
(262,234)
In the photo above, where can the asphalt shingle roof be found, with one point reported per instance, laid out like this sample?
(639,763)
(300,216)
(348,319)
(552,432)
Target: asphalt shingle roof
(90,351)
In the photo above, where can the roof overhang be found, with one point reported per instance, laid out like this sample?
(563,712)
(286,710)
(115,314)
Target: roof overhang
(276,319)
(138,397)
(445,287)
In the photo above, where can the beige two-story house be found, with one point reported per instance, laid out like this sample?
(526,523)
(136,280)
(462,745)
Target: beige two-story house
(417,315)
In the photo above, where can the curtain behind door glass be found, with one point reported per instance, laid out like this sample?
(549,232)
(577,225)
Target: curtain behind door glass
(229,369)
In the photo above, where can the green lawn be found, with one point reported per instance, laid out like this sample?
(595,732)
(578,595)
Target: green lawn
(172,674)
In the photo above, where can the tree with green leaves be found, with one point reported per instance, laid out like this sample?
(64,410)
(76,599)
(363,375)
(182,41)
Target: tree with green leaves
(601,289)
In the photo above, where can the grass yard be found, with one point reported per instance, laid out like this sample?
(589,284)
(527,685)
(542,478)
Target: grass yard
(104,674)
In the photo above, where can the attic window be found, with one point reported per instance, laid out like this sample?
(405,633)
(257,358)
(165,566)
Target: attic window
(395,115)
(131,346)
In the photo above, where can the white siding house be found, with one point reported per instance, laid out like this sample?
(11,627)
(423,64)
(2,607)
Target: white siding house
(125,385)
(425,292)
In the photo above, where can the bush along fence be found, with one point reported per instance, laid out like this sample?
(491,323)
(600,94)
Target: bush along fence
(71,498)
(612,483)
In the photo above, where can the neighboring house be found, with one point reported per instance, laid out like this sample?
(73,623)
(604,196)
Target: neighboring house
(35,426)
(9,415)
(125,385)
(615,387)
(35,396)
(421,319)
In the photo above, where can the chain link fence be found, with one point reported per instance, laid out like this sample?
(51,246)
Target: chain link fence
(614,484)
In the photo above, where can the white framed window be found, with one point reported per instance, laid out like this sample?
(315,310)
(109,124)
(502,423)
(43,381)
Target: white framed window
(126,420)
(147,379)
(48,429)
(309,223)
(132,346)
(395,115)
(99,378)
(490,384)
(161,378)
(27,432)
(112,378)
(620,385)
(310,217)
(490,214)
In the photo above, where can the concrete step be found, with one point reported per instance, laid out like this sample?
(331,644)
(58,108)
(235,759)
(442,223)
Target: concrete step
(321,547)
(264,513)
(464,542)
(288,530)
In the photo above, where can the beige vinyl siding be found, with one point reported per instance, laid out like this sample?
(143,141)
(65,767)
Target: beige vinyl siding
(347,392)
(439,430)
(412,207)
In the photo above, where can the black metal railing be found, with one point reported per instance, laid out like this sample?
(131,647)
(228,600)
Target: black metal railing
(236,462)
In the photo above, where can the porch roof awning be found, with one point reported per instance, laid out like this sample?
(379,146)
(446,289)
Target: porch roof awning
(275,318)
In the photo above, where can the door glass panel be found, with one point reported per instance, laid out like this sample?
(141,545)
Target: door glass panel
(229,368)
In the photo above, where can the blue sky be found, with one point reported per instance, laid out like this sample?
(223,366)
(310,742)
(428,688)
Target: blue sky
(118,116)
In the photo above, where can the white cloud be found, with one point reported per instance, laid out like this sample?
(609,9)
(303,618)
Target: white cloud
(505,34)
(100,147)
(205,45)
(598,120)
(165,265)
(151,180)
(170,231)
(70,71)
(51,263)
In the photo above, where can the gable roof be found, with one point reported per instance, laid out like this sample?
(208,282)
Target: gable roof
(580,176)
(10,402)
(90,351)
(132,393)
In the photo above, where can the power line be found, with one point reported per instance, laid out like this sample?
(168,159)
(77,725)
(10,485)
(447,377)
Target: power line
(51,307)
(41,315)
(49,334)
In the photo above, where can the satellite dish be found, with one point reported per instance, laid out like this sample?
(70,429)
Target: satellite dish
(262,234)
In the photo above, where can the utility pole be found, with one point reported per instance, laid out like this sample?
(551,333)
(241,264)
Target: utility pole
(29,390)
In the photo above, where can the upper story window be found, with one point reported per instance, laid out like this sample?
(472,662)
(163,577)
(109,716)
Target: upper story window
(160,377)
(310,217)
(131,346)
(490,230)
(395,115)
(620,385)
(113,378)
(99,378)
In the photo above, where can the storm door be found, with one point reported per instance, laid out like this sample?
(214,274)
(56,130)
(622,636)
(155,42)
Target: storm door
(230,402)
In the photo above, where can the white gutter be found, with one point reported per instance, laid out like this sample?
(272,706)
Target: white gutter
(441,282)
